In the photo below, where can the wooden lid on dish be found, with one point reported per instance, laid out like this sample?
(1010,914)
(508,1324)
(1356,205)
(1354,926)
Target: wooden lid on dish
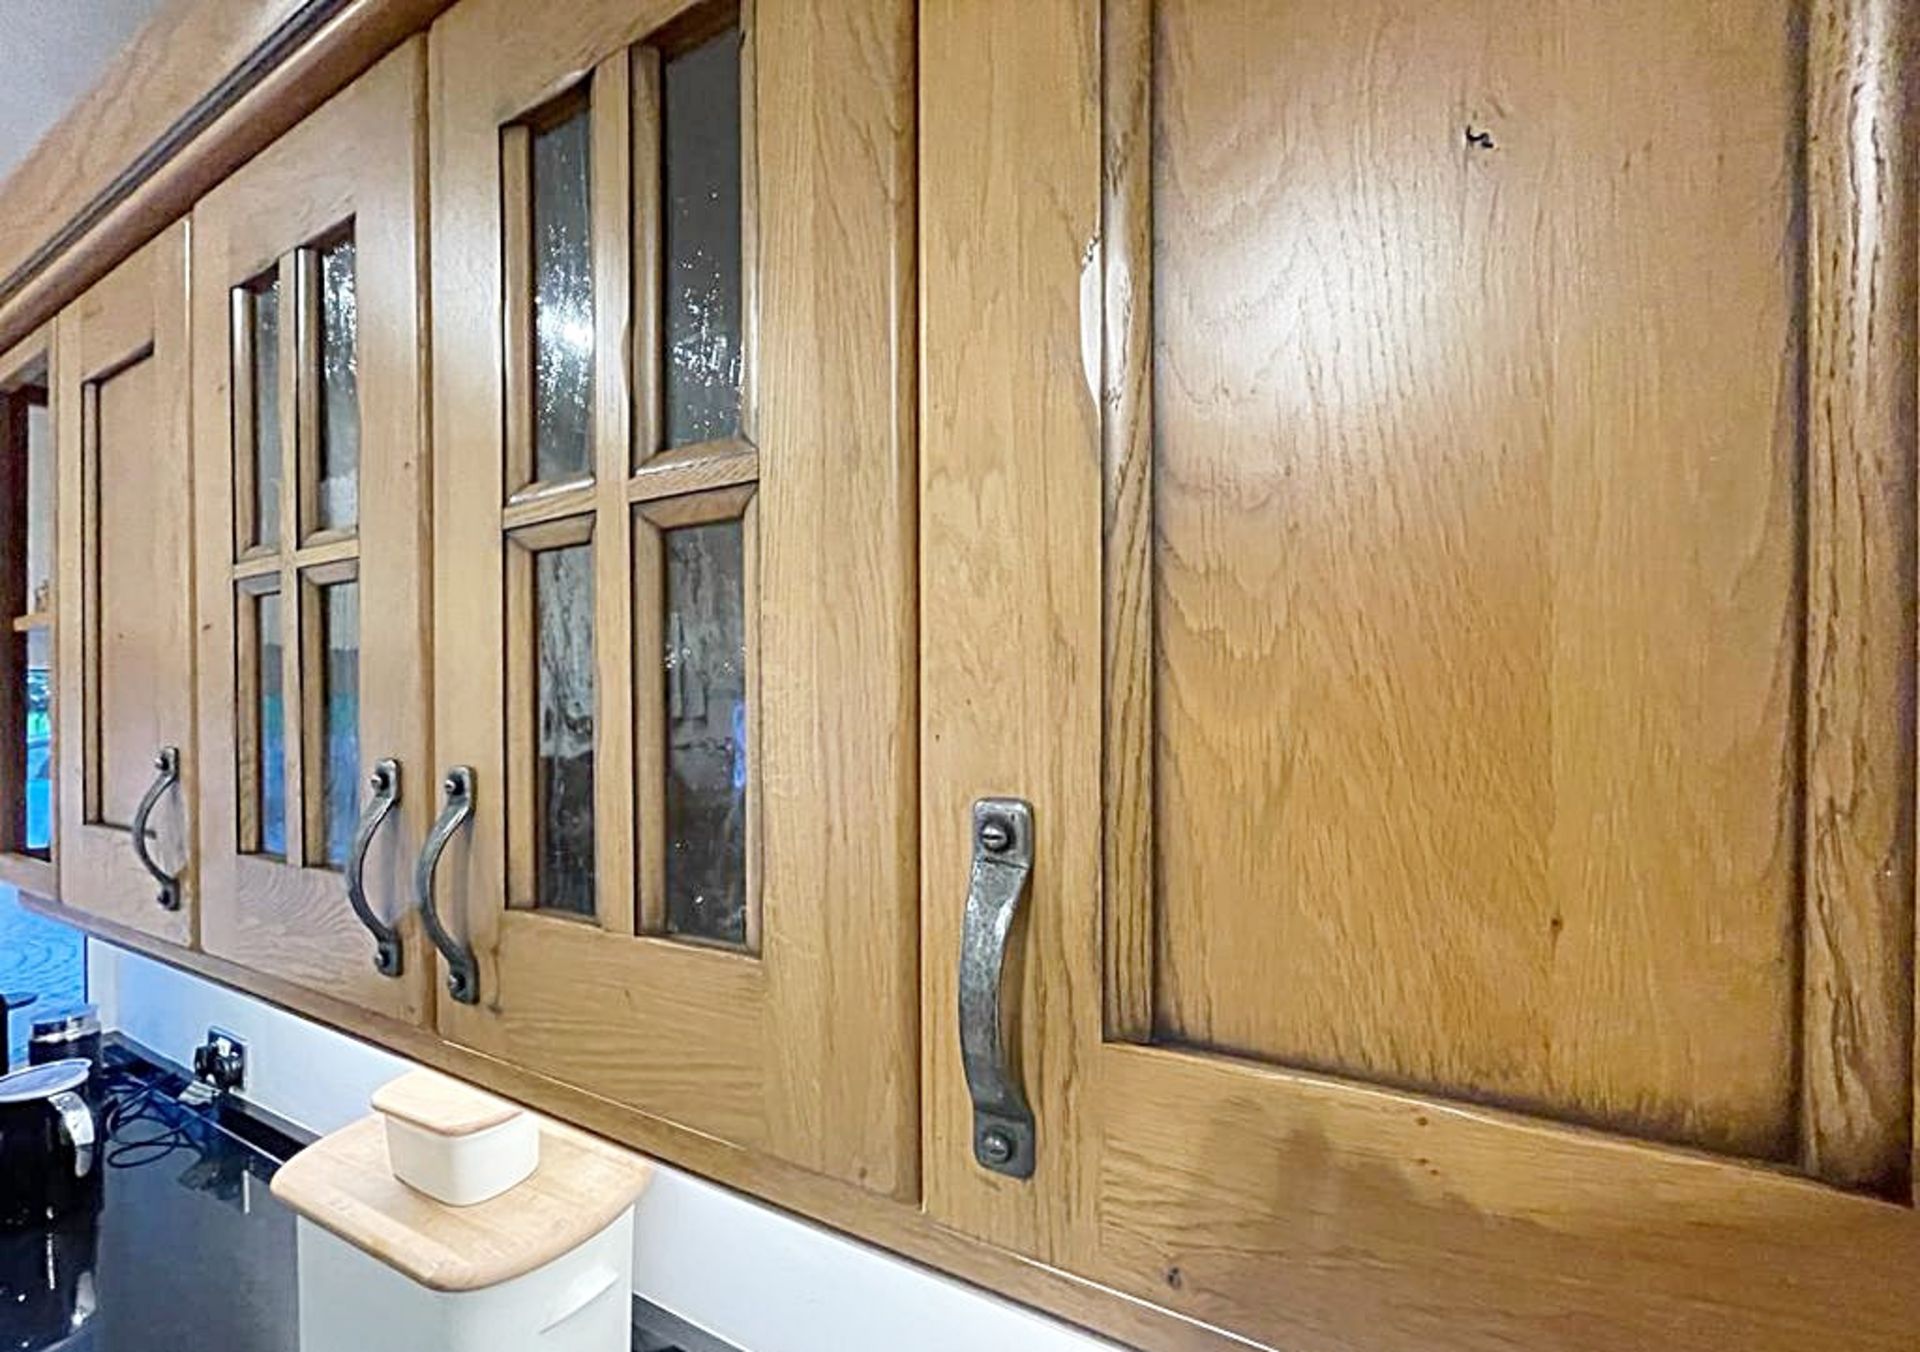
(442,1105)
(344,1183)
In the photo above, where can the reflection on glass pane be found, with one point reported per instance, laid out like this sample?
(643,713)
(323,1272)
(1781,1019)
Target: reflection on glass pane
(339,388)
(39,749)
(269,722)
(706,669)
(562,300)
(700,115)
(340,712)
(39,508)
(264,318)
(564,703)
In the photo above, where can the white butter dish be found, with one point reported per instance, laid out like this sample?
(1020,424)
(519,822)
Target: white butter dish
(453,1142)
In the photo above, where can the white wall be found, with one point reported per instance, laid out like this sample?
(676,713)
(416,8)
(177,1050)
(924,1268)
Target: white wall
(755,1277)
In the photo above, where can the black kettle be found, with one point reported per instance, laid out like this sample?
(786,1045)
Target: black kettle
(49,1157)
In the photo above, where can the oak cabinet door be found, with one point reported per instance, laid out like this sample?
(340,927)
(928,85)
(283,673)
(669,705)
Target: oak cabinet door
(1420,499)
(311,476)
(125,698)
(673,586)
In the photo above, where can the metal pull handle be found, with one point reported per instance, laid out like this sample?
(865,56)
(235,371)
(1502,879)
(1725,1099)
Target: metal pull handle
(167,765)
(388,955)
(76,1124)
(463,973)
(1002,863)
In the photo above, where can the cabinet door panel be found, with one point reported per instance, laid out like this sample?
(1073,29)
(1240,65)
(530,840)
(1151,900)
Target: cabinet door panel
(673,561)
(1458,642)
(309,387)
(125,517)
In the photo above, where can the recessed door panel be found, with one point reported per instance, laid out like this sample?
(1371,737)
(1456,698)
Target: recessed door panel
(1478,625)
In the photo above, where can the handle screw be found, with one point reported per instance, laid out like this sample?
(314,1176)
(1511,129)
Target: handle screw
(996,836)
(996,1147)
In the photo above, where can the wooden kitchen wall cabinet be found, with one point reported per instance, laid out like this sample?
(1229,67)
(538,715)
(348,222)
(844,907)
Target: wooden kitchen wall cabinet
(674,677)
(1420,499)
(312,530)
(28,490)
(125,528)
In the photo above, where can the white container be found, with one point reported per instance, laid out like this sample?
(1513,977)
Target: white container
(350,1301)
(386,1266)
(454,1142)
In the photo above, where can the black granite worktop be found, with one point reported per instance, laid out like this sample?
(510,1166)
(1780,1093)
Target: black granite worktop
(183,1249)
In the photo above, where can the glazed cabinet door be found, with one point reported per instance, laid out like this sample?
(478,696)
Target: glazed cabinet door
(674,684)
(28,486)
(1420,501)
(125,696)
(312,530)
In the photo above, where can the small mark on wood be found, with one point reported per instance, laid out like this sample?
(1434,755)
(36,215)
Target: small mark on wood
(1175,1278)
(1479,138)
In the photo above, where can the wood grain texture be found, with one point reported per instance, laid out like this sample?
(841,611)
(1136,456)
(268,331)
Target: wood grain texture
(1858,927)
(1127,555)
(185,51)
(1295,1210)
(125,532)
(344,1183)
(359,158)
(1477,617)
(1010,529)
(771,1055)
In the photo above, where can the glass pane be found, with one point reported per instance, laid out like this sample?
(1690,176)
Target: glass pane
(39,749)
(564,700)
(562,300)
(706,669)
(700,116)
(264,324)
(269,726)
(340,714)
(39,508)
(339,388)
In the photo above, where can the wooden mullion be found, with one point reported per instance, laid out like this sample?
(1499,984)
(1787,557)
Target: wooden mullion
(612,96)
(695,469)
(699,509)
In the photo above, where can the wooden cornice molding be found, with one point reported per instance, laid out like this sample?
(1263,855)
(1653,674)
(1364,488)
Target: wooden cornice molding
(205,85)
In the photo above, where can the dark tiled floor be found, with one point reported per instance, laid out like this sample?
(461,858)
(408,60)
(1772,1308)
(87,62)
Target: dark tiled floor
(38,956)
